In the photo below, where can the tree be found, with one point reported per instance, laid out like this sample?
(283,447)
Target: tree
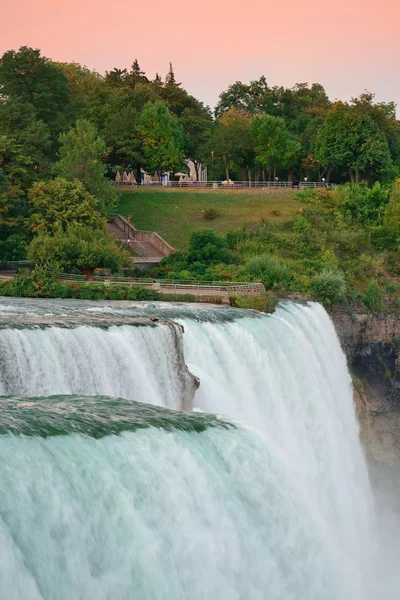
(170,78)
(16,175)
(136,75)
(82,156)
(35,80)
(116,77)
(18,121)
(59,203)
(162,138)
(123,141)
(275,147)
(79,247)
(255,98)
(197,124)
(351,139)
(83,83)
(231,141)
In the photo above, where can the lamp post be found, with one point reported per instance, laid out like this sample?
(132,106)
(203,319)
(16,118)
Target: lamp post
(212,165)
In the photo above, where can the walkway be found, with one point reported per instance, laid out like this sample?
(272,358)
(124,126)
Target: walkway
(148,246)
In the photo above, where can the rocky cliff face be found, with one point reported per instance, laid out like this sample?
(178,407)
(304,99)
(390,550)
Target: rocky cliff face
(372,346)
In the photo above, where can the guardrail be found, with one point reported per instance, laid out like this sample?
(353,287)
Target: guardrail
(133,237)
(170,286)
(220,185)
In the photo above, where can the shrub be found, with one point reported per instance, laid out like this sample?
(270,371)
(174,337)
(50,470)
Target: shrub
(207,246)
(390,287)
(13,248)
(301,225)
(329,286)
(272,271)
(210,214)
(373,297)
(263,303)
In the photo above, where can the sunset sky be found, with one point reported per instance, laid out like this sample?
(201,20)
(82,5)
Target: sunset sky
(346,45)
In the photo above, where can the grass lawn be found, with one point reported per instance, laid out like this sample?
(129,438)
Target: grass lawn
(174,214)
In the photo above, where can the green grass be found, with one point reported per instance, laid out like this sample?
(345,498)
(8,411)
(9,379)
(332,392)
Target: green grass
(175,214)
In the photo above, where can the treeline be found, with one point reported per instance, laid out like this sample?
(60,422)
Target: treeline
(66,130)
(256,131)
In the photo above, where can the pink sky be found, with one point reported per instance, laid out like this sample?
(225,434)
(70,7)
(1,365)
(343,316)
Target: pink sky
(346,45)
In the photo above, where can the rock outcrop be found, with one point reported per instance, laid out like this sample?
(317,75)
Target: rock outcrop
(372,346)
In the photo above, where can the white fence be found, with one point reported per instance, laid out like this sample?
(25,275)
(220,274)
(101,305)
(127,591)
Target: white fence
(220,185)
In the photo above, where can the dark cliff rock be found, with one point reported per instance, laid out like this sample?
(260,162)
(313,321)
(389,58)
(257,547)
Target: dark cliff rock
(372,346)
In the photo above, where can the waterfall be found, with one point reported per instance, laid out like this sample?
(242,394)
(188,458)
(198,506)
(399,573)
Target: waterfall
(138,363)
(269,499)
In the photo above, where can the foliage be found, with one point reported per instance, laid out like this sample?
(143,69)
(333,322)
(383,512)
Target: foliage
(207,246)
(33,79)
(210,214)
(16,174)
(373,297)
(162,138)
(263,302)
(231,140)
(82,157)
(274,145)
(352,140)
(391,218)
(78,247)
(59,203)
(329,286)
(270,270)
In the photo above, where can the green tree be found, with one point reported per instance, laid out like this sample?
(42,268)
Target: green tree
(82,156)
(16,175)
(232,142)
(197,124)
(83,84)
(352,140)
(162,138)
(79,247)
(121,136)
(59,203)
(35,80)
(275,147)
(18,121)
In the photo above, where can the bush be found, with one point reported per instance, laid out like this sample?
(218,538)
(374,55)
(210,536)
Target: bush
(329,286)
(210,214)
(263,303)
(373,297)
(301,225)
(13,248)
(207,246)
(271,271)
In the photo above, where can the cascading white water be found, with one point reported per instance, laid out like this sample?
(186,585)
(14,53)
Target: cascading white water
(286,376)
(279,510)
(138,363)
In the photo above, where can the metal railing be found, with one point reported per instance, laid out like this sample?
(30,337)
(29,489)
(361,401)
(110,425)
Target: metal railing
(200,287)
(220,185)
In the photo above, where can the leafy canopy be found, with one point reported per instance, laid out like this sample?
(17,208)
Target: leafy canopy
(82,156)
(79,247)
(162,138)
(59,203)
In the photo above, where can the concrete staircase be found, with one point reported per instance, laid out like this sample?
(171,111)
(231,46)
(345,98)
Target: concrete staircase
(147,246)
